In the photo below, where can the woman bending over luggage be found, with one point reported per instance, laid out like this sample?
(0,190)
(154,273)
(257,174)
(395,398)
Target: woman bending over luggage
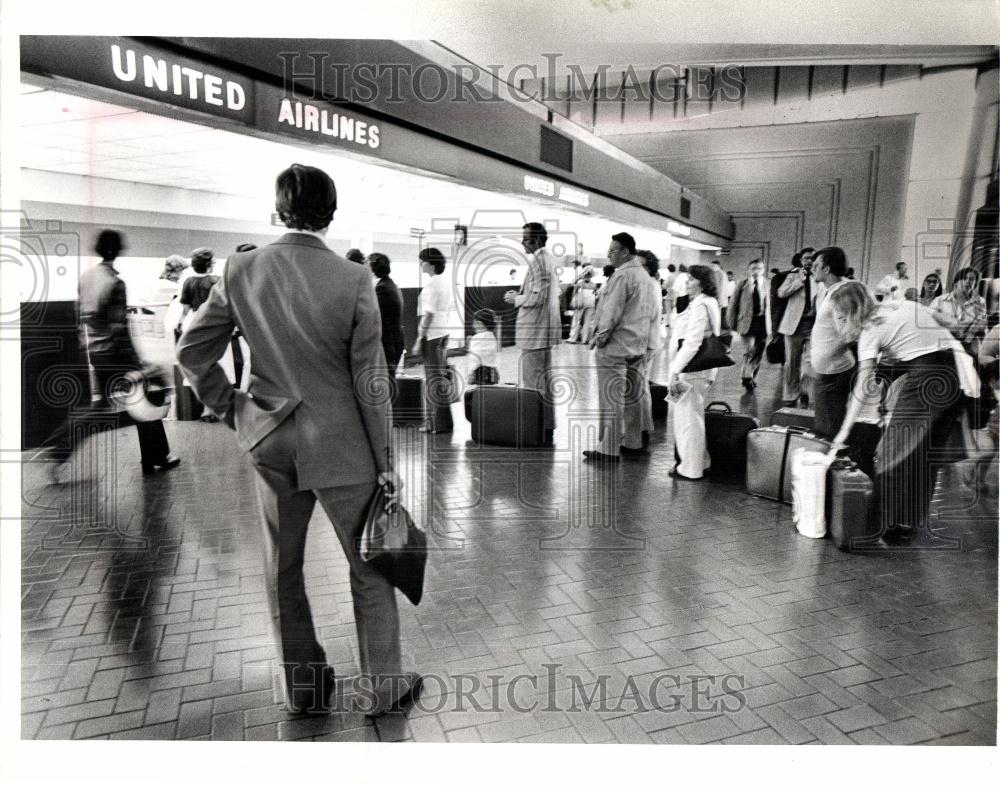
(923,402)
(702,318)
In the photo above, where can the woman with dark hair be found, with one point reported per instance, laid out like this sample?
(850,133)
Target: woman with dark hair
(390,306)
(924,401)
(930,289)
(701,318)
(437,320)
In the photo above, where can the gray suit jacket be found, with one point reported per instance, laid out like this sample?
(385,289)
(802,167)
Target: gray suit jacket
(740,312)
(312,323)
(538,325)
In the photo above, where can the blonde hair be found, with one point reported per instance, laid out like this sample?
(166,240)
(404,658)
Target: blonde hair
(853,300)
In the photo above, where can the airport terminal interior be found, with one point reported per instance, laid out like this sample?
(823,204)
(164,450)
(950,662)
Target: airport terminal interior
(605,598)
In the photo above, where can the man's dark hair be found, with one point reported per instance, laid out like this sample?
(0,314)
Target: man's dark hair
(537,232)
(243,247)
(834,258)
(797,259)
(899,265)
(754,262)
(305,198)
(380,265)
(649,261)
(706,277)
(625,240)
(807,250)
(433,257)
(109,244)
(356,255)
(671,268)
(608,270)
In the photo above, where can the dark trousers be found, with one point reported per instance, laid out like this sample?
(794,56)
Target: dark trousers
(831,393)
(754,344)
(108,373)
(437,388)
(924,403)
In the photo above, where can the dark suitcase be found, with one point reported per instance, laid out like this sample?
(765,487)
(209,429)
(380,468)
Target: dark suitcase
(848,506)
(769,458)
(790,416)
(658,393)
(506,415)
(726,437)
(188,406)
(408,399)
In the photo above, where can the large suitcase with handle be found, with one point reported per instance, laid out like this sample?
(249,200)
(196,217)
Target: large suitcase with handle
(849,517)
(408,399)
(769,455)
(726,438)
(792,416)
(506,415)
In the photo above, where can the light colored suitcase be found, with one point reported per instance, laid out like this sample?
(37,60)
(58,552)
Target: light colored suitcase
(769,455)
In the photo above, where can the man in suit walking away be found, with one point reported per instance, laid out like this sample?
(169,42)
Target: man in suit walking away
(310,427)
(750,316)
(538,327)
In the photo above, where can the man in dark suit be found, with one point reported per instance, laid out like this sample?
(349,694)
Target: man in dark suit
(312,432)
(390,306)
(750,316)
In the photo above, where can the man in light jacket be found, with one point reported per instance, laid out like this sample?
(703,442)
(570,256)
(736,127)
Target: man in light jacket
(538,327)
(621,339)
(799,291)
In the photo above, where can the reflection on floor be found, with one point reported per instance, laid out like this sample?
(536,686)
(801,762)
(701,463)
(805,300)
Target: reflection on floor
(564,603)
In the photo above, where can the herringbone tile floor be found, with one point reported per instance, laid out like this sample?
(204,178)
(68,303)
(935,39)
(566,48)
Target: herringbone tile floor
(564,603)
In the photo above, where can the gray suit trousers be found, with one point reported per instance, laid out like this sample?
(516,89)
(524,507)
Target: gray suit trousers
(286,511)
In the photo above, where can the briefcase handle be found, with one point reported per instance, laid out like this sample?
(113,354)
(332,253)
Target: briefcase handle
(720,405)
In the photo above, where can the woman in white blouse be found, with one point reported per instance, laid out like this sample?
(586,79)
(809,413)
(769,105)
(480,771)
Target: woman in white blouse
(437,320)
(930,370)
(701,318)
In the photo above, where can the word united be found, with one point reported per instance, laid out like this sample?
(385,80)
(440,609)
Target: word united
(322,121)
(177,79)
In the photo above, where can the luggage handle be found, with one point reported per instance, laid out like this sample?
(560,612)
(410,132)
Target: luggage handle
(798,430)
(719,404)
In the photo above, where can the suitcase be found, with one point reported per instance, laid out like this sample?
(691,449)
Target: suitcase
(188,405)
(790,416)
(848,506)
(726,437)
(809,470)
(769,452)
(408,399)
(658,393)
(506,415)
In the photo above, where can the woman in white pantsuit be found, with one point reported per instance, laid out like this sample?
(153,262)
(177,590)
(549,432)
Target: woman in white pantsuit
(701,318)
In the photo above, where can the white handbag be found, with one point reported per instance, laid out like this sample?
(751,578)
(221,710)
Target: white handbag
(809,470)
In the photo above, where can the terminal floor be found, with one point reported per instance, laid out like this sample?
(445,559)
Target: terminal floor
(553,582)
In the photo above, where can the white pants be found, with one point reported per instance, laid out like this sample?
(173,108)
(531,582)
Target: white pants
(689,427)
(580,328)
